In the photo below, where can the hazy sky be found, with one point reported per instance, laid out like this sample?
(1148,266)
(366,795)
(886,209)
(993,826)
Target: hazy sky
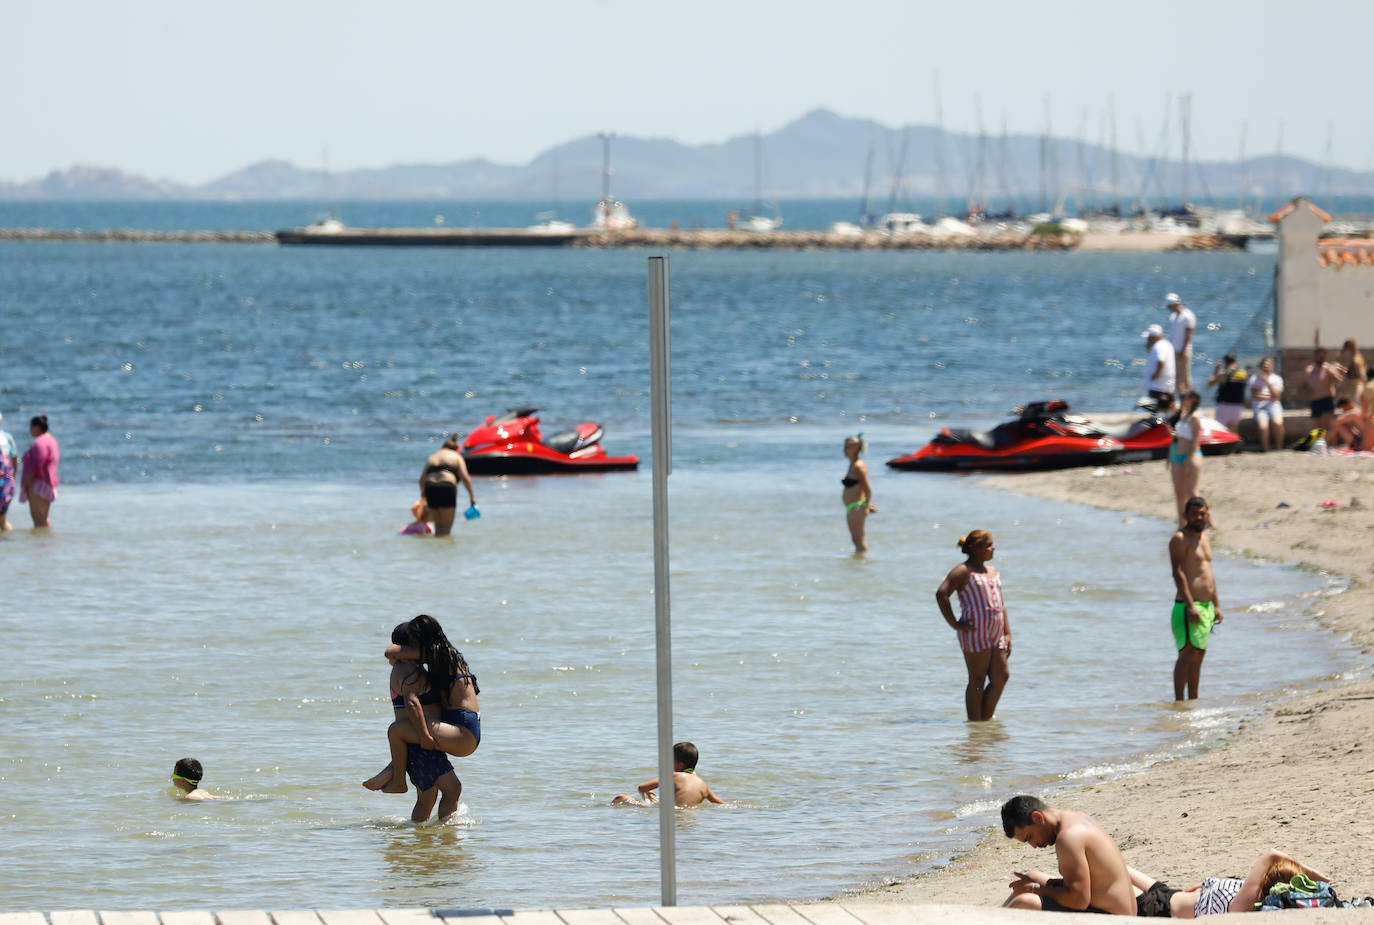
(189,91)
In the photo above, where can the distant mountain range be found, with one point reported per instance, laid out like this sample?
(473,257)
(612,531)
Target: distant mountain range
(820,155)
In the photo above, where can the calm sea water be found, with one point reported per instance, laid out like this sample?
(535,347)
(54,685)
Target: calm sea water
(242,428)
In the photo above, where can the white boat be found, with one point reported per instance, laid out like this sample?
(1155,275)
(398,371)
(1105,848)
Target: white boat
(756,221)
(612,215)
(326,225)
(903,223)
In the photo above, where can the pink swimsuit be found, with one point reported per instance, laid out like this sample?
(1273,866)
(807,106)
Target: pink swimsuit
(980,602)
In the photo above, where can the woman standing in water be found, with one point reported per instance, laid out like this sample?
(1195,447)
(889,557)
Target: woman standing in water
(1185,455)
(984,633)
(459,728)
(858,494)
(444,469)
(39,487)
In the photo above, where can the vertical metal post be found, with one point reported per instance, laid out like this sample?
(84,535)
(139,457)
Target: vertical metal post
(660,379)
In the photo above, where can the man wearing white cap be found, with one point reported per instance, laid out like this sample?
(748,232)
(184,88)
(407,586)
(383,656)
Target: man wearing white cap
(1159,364)
(1181,327)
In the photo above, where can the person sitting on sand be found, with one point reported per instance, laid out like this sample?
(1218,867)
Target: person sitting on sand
(688,789)
(1093,876)
(1216,895)
(429,769)
(186,777)
(458,730)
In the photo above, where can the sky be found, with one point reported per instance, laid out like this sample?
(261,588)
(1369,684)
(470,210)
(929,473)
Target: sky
(191,91)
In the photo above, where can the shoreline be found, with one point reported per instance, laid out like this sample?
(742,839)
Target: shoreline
(1298,776)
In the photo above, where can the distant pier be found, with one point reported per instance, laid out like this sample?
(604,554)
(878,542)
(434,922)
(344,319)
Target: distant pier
(655,238)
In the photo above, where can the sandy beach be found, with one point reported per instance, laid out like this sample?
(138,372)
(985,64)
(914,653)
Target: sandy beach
(1299,778)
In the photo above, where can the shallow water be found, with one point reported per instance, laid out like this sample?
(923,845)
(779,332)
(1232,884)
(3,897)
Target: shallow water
(243,624)
(241,432)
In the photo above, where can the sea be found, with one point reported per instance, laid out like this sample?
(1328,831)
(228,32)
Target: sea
(242,431)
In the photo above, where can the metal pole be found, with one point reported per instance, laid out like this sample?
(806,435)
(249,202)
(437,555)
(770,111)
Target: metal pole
(660,378)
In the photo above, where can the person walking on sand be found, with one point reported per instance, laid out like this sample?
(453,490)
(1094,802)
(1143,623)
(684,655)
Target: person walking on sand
(1266,400)
(1159,364)
(1093,876)
(39,487)
(1182,323)
(444,469)
(858,494)
(9,465)
(984,633)
(1185,453)
(1196,608)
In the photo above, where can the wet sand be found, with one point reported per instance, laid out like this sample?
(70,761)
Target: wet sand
(1300,777)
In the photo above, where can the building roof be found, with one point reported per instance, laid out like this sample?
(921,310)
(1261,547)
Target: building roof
(1345,252)
(1283,213)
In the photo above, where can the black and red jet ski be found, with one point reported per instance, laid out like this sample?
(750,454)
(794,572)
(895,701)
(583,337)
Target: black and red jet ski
(1041,437)
(1046,436)
(512,445)
(1149,436)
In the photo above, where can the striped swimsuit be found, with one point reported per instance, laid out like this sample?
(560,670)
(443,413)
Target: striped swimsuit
(980,602)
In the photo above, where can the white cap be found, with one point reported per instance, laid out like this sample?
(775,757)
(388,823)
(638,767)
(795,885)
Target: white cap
(1172,299)
(1153,330)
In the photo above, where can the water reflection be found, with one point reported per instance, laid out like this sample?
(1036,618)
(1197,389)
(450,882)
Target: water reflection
(980,740)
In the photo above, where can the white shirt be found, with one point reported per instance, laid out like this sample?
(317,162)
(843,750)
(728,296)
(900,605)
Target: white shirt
(1161,356)
(1263,393)
(1184,321)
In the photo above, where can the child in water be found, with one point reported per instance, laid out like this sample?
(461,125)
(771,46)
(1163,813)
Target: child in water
(420,511)
(186,776)
(689,789)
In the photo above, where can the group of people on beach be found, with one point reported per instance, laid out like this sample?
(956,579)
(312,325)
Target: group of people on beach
(1094,875)
(35,477)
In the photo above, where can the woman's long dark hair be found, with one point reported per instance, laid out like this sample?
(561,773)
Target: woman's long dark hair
(442,661)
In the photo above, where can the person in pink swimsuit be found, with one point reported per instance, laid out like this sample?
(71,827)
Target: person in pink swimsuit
(984,633)
(39,486)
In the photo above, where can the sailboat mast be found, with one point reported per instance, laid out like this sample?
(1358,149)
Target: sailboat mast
(1116,185)
(1185,107)
(940,146)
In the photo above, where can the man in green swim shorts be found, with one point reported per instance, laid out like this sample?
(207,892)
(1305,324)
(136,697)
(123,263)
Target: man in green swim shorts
(1196,608)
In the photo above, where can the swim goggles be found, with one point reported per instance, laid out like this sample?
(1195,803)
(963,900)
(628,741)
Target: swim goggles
(193,783)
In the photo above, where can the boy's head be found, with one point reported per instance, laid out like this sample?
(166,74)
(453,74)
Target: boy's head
(1023,818)
(685,754)
(187,771)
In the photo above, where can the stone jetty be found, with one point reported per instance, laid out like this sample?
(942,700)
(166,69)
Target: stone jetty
(654,238)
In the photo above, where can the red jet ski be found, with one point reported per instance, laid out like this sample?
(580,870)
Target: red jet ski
(1041,438)
(1149,437)
(512,445)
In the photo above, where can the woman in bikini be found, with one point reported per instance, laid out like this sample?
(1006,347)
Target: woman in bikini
(1185,454)
(443,471)
(984,633)
(1217,895)
(858,494)
(458,729)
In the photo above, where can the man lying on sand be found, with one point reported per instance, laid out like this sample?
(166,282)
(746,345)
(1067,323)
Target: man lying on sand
(1093,874)
(1216,895)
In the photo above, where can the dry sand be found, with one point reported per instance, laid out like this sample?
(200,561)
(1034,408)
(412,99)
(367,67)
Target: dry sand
(1301,777)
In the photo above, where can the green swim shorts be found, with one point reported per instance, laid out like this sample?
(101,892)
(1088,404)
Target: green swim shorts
(1198,632)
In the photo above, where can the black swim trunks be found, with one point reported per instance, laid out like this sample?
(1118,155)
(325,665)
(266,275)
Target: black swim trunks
(441,496)
(1322,406)
(1154,902)
(1052,905)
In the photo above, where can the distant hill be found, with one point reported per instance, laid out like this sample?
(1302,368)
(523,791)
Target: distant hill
(820,155)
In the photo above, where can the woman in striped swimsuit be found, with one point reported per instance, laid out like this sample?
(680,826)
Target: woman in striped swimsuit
(984,633)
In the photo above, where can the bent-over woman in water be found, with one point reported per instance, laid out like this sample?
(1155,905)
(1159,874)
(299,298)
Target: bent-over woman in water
(984,633)
(444,469)
(858,494)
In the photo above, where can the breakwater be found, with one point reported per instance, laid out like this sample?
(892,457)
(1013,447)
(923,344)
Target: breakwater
(661,238)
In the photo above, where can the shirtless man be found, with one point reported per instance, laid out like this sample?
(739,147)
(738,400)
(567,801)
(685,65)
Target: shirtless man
(1322,379)
(1092,873)
(1196,608)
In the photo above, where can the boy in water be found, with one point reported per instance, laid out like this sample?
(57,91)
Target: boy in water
(689,790)
(186,776)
